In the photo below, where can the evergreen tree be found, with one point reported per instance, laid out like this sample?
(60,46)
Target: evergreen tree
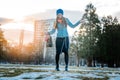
(88,35)
(3,43)
(76,46)
(109,42)
(93,31)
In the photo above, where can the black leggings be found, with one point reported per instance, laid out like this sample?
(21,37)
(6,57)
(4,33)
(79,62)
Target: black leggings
(62,45)
(66,57)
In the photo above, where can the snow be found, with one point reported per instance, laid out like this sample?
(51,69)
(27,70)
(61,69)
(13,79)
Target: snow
(48,72)
(30,75)
(93,76)
(115,78)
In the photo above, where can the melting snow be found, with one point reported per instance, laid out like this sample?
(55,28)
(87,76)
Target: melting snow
(49,73)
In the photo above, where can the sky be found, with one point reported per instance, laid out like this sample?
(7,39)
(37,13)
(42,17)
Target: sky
(18,9)
(13,13)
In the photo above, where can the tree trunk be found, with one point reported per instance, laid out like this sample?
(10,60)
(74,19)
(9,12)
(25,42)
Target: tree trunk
(94,62)
(117,63)
(110,63)
(78,61)
(89,62)
(102,65)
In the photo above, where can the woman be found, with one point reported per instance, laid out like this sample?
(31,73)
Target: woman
(62,40)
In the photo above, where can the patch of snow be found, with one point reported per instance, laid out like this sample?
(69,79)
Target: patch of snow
(115,78)
(68,78)
(1,74)
(30,75)
(92,75)
(74,73)
(62,76)
(114,75)
(11,71)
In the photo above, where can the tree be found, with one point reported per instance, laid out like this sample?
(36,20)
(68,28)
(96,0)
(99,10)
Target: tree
(3,44)
(76,46)
(109,42)
(85,42)
(93,30)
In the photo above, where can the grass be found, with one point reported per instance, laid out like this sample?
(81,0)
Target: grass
(18,70)
(91,78)
(15,72)
(87,78)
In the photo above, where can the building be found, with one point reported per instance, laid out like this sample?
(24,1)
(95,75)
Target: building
(42,52)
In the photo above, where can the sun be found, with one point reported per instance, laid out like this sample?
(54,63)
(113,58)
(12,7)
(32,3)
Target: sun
(18,23)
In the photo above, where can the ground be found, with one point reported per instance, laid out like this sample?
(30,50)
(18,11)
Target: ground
(47,72)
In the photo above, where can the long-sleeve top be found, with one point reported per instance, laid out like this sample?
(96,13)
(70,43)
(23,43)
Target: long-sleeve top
(62,29)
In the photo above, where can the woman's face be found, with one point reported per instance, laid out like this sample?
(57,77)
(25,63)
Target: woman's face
(60,16)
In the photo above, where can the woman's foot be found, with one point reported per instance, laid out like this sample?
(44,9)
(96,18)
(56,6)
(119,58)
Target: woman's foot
(66,68)
(57,69)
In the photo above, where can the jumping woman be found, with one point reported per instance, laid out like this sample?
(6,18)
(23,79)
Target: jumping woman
(62,39)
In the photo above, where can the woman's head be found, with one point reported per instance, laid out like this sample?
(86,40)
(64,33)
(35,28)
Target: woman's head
(60,18)
(59,11)
(59,14)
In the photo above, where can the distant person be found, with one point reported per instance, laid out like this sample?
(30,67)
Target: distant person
(62,39)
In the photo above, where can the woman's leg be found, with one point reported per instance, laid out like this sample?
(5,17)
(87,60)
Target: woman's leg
(59,42)
(66,57)
(57,61)
(66,47)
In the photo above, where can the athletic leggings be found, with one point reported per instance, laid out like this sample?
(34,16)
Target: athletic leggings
(62,45)
(66,57)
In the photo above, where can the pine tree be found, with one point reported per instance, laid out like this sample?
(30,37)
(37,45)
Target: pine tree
(76,46)
(88,34)
(109,42)
(93,31)
(3,43)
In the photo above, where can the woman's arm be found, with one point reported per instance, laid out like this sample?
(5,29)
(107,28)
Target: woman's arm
(47,35)
(72,25)
(52,31)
